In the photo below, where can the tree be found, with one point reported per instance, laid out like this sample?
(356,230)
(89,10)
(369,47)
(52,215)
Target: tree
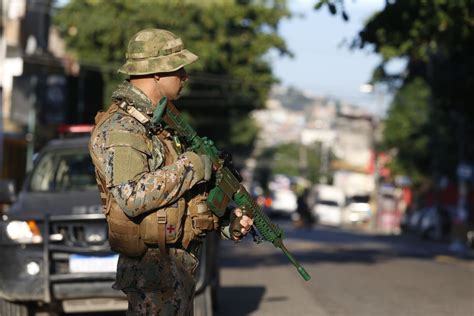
(435,37)
(231,38)
(286,159)
(406,131)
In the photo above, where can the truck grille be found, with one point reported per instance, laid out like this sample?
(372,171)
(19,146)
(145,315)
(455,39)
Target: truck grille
(78,231)
(84,234)
(80,234)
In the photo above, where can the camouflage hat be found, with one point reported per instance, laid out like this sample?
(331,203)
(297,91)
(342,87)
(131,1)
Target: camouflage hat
(154,50)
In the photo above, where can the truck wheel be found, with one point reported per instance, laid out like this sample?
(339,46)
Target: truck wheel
(13,309)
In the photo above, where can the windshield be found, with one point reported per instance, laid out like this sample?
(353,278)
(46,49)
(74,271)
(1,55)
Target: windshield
(327,202)
(63,170)
(360,199)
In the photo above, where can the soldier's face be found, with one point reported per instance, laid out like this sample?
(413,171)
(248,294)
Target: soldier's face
(172,83)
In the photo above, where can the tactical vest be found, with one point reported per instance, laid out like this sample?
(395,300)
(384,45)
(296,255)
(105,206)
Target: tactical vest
(174,225)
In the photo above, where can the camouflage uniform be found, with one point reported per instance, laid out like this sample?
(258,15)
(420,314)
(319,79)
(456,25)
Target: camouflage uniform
(131,165)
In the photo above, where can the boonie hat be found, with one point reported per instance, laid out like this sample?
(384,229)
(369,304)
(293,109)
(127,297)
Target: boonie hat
(155,50)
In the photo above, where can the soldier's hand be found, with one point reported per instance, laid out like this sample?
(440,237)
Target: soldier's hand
(201,164)
(241,224)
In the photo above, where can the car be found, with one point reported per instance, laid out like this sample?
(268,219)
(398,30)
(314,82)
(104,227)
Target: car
(283,198)
(435,223)
(413,220)
(470,236)
(53,239)
(283,202)
(329,204)
(357,210)
(428,222)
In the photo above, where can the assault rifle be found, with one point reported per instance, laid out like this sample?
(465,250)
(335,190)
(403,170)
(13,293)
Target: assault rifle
(226,185)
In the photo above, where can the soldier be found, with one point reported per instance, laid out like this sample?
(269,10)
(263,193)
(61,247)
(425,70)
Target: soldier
(153,189)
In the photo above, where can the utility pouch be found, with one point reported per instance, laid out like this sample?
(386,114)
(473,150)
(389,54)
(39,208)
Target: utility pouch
(173,225)
(124,234)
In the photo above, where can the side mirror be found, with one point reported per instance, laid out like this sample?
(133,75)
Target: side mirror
(7,191)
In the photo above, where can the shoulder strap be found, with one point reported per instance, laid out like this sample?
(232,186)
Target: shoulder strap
(130,109)
(151,127)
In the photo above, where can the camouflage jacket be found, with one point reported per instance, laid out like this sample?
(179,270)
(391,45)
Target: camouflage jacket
(140,177)
(132,163)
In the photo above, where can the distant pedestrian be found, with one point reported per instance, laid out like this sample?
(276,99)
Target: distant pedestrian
(304,212)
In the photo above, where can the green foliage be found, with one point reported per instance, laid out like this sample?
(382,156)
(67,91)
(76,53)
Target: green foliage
(406,130)
(231,38)
(418,29)
(435,37)
(334,6)
(243,131)
(287,159)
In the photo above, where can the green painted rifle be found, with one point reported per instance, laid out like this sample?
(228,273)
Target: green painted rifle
(226,185)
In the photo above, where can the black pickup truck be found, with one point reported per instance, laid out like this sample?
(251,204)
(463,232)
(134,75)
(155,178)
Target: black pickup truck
(54,253)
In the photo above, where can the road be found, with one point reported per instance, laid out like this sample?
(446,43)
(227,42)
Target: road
(353,273)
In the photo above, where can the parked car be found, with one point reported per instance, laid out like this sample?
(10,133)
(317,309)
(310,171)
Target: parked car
(428,222)
(283,198)
(283,202)
(53,241)
(413,220)
(435,223)
(357,210)
(329,205)
(470,236)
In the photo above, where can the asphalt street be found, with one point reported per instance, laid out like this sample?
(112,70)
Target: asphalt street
(353,273)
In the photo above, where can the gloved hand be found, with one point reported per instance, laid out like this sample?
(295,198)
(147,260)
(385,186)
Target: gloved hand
(201,164)
(240,224)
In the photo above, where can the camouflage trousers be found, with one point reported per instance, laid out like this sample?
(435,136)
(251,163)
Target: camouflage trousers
(158,285)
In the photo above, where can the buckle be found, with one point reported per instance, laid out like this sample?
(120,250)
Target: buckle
(161,218)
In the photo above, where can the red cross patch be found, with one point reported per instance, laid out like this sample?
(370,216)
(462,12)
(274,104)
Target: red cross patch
(171,230)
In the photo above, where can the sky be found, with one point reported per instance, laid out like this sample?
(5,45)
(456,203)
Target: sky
(321,66)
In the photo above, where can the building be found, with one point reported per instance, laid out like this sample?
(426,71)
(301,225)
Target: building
(41,87)
(345,133)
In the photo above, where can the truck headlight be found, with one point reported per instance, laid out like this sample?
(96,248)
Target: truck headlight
(24,232)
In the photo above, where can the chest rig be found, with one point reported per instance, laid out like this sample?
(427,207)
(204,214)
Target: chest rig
(174,225)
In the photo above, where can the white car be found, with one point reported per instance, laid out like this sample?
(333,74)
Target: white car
(329,202)
(357,212)
(283,202)
(328,212)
